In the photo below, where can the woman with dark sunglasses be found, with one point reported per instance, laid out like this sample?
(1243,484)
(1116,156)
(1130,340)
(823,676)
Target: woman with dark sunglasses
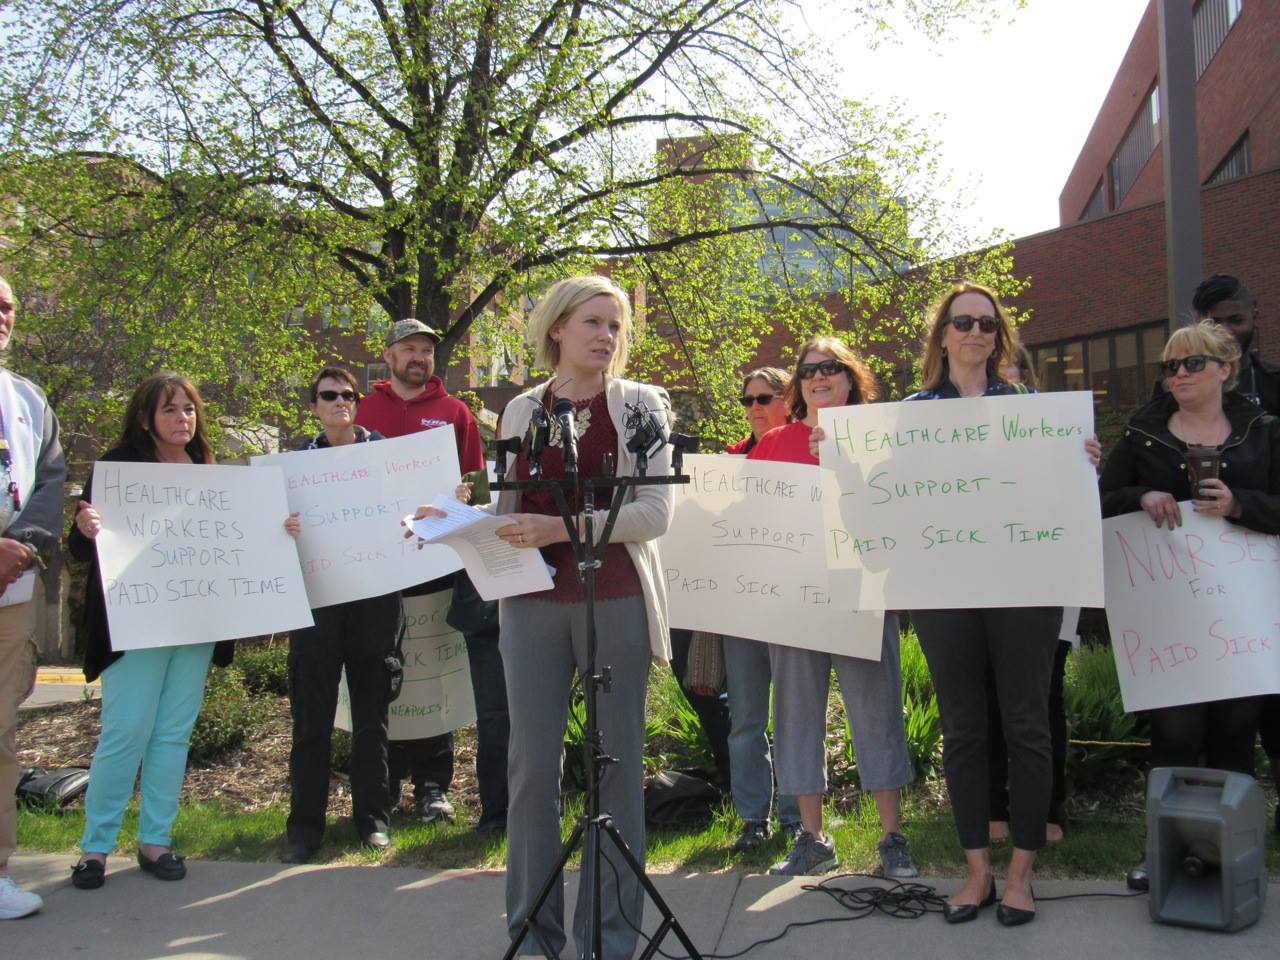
(1011,648)
(829,374)
(360,636)
(1148,471)
(748,676)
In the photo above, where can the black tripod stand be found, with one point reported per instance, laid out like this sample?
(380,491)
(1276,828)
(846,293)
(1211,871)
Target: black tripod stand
(595,824)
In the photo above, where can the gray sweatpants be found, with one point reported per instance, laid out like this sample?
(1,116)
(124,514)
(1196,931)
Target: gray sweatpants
(872,692)
(542,643)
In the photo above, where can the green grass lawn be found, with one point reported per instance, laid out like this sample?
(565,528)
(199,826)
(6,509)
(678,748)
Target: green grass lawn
(1099,847)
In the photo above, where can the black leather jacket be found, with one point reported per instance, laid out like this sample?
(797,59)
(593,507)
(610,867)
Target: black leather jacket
(1149,457)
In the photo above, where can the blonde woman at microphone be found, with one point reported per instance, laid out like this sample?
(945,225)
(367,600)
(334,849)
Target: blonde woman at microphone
(579,329)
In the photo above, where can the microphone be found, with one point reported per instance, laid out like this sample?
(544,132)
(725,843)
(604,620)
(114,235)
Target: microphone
(536,439)
(646,433)
(564,412)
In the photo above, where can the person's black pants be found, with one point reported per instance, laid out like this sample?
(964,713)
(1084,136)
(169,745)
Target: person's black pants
(493,726)
(1018,645)
(1269,727)
(358,635)
(712,711)
(1218,734)
(998,756)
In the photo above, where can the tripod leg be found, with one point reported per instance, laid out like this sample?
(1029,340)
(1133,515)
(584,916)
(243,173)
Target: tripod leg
(669,921)
(529,925)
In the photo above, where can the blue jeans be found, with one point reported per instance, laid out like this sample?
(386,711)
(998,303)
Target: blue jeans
(150,702)
(746,665)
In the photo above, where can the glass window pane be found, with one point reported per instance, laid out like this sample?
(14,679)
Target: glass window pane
(1127,389)
(1049,370)
(1153,339)
(1073,366)
(1100,371)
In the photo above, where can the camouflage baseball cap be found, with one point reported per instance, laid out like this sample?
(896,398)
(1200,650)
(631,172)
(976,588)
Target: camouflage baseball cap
(409,328)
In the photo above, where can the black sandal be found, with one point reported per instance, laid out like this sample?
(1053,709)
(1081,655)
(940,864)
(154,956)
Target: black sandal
(88,874)
(167,866)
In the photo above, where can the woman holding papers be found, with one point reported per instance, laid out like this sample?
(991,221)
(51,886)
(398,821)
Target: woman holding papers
(360,636)
(1149,470)
(579,329)
(969,340)
(829,374)
(151,697)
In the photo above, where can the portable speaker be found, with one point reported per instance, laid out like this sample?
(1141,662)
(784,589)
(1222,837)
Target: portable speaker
(1206,853)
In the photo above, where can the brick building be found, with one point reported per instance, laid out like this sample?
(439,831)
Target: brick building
(1098,282)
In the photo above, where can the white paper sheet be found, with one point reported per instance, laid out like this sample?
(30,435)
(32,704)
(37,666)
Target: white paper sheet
(496,568)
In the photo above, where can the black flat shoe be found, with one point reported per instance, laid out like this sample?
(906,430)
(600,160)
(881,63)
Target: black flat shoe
(1015,916)
(167,866)
(964,912)
(88,874)
(1137,879)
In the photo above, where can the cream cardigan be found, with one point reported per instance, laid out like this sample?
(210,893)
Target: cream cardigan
(644,516)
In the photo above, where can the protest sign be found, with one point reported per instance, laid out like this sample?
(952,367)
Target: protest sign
(978,502)
(1194,612)
(192,554)
(744,557)
(436,696)
(351,500)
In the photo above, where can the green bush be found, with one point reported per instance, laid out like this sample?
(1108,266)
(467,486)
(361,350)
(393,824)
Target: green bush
(340,754)
(1105,746)
(228,717)
(917,682)
(265,665)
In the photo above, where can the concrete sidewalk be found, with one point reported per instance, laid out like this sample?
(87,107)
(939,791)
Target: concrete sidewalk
(60,685)
(267,911)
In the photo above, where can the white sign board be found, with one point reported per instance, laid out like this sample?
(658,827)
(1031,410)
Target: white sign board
(436,696)
(193,554)
(1194,612)
(979,502)
(351,500)
(743,557)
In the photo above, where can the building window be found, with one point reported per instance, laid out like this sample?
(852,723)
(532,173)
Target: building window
(1234,164)
(373,372)
(1119,366)
(1136,147)
(294,317)
(1097,204)
(1210,24)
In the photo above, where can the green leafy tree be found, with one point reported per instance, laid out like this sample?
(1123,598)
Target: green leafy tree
(439,154)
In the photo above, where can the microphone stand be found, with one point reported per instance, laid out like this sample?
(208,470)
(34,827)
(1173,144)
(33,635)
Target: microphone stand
(594,824)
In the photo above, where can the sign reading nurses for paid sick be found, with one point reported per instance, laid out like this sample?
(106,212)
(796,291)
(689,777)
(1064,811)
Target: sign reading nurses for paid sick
(743,557)
(193,554)
(351,500)
(1194,612)
(976,502)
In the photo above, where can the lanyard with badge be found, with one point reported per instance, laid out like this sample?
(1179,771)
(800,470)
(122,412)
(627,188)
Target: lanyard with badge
(11,501)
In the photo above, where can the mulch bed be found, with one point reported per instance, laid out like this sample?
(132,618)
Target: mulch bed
(252,777)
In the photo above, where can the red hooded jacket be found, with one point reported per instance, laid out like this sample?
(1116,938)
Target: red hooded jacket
(383,410)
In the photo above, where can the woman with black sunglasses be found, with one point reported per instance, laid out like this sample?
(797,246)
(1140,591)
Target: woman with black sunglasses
(969,340)
(360,636)
(1148,471)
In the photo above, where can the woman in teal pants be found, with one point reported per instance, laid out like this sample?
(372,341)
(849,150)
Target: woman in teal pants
(150,698)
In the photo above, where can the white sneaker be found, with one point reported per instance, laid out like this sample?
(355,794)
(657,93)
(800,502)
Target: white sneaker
(15,903)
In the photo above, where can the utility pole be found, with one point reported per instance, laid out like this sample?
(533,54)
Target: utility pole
(1179,150)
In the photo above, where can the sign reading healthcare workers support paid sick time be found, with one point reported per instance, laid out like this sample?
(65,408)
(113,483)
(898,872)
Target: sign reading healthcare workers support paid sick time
(436,696)
(980,502)
(1194,612)
(743,557)
(193,554)
(351,500)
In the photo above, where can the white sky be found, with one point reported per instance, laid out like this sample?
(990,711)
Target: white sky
(1037,82)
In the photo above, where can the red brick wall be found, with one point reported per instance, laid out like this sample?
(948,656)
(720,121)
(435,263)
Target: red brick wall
(1109,273)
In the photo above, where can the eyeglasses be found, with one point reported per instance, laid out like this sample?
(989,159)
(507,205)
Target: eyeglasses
(1194,364)
(964,323)
(828,368)
(764,399)
(331,395)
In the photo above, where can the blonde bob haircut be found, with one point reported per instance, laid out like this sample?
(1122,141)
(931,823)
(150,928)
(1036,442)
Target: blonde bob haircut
(1210,339)
(935,368)
(560,300)
(863,387)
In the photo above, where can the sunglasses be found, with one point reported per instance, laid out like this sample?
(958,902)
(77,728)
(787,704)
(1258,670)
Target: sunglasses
(828,368)
(1194,364)
(964,323)
(764,399)
(331,395)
